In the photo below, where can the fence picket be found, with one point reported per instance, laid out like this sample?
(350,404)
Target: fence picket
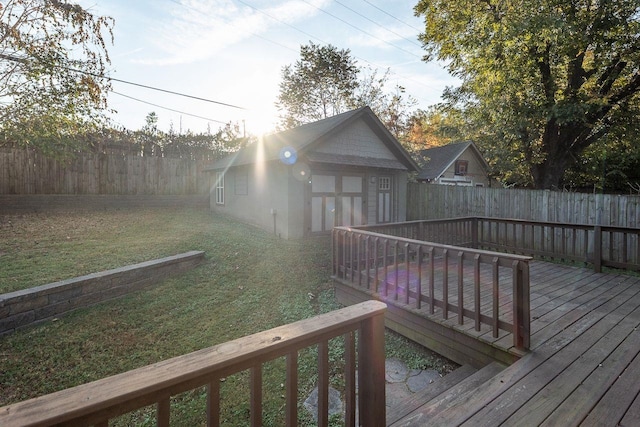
(426,202)
(25,171)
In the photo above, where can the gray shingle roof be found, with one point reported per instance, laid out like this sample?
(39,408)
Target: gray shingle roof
(438,159)
(340,159)
(302,138)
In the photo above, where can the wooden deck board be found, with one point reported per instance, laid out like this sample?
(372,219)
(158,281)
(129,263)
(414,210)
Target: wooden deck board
(554,381)
(584,363)
(613,378)
(565,357)
(497,395)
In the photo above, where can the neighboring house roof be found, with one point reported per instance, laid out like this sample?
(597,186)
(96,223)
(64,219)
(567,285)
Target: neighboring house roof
(438,159)
(303,138)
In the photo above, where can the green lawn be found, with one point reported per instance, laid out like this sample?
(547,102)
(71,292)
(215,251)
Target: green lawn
(250,281)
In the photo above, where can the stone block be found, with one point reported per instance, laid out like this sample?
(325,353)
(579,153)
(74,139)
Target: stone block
(16,320)
(65,294)
(26,304)
(53,310)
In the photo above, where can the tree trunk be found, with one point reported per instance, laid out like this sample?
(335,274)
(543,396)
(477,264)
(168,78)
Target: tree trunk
(561,151)
(548,175)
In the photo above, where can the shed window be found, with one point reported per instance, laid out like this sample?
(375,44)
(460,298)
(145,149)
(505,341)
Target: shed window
(384,183)
(219,188)
(461,167)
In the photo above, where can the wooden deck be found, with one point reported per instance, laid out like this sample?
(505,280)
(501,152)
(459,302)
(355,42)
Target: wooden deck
(583,367)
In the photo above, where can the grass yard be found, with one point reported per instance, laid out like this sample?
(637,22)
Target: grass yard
(250,281)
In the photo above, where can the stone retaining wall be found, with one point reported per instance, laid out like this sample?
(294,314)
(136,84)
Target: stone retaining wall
(26,307)
(42,203)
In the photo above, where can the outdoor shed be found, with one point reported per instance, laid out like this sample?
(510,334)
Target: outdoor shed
(344,170)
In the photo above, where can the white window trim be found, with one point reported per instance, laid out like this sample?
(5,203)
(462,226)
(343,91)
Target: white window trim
(384,183)
(219,186)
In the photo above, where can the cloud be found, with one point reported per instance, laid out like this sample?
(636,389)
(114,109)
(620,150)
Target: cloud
(196,30)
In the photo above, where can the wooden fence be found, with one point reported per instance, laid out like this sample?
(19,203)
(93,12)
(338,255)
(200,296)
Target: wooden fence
(426,201)
(25,171)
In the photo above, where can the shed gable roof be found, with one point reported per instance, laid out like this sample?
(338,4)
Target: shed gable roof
(303,139)
(439,159)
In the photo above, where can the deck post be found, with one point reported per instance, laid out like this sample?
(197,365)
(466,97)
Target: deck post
(371,382)
(474,233)
(521,302)
(597,249)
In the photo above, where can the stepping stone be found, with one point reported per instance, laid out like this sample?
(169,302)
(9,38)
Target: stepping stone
(396,393)
(395,370)
(335,403)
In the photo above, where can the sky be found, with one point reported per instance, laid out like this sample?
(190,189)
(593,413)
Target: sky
(232,52)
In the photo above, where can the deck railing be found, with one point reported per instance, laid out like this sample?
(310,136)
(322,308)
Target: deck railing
(97,402)
(617,247)
(599,246)
(487,288)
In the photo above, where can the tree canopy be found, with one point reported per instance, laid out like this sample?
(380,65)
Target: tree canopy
(543,80)
(320,84)
(53,57)
(326,81)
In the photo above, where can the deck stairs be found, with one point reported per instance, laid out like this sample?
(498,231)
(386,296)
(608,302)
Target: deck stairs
(441,402)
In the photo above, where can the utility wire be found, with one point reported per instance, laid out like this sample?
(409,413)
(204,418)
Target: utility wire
(101,76)
(375,23)
(388,14)
(167,108)
(281,21)
(243,30)
(361,30)
(374,65)
(162,90)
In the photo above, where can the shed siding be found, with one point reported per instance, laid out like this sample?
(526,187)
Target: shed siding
(265,191)
(357,140)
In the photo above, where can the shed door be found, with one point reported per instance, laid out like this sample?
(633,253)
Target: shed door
(323,203)
(351,200)
(336,200)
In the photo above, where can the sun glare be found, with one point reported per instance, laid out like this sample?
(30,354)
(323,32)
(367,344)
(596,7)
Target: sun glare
(261,123)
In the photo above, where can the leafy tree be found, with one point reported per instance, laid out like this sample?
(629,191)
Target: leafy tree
(434,127)
(612,164)
(326,81)
(151,141)
(321,84)
(544,79)
(53,56)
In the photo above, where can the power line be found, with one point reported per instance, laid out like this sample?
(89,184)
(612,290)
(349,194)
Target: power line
(167,108)
(388,14)
(281,21)
(162,90)
(375,23)
(245,31)
(374,65)
(102,76)
(361,30)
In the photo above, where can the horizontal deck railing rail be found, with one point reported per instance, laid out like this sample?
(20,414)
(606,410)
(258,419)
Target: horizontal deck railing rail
(97,402)
(456,232)
(609,246)
(453,279)
(597,245)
